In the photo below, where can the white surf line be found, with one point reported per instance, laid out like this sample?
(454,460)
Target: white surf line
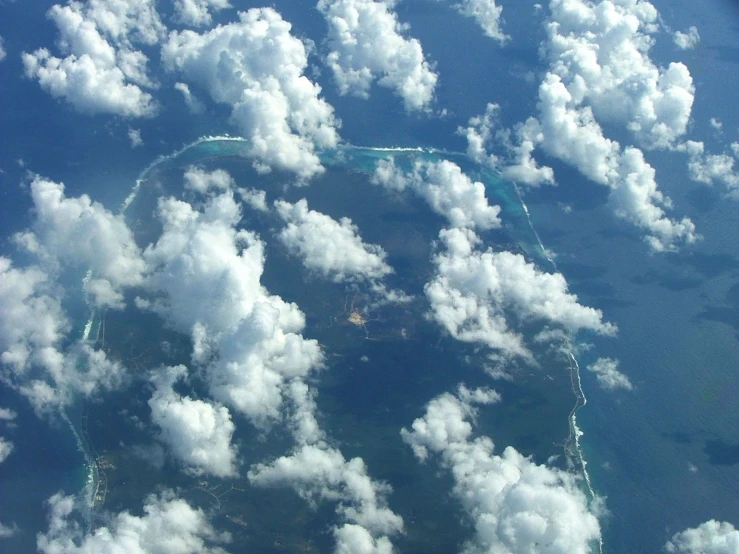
(92,481)
(165,157)
(572,444)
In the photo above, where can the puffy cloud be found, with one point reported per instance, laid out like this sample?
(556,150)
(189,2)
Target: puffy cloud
(473,290)
(256,67)
(447,190)
(193,103)
(134,135)
(711,537)
(32,322)
(600,51)
(100,72)
(608,375)
(515,505)
(77,232)
(331,248)
(367,42)
(687,40)
(600,70)
(197,13)
(487,15)
(318,472)
(197,433)
(712,168)
(7,414)
(2,49)
(6,448)
(202,181)
(355,539)
(519,166)
(205,276)
(169,526)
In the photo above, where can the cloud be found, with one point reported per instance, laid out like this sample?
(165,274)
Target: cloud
(487,15)
(7,531)
(205,281)
(7,414)
(515,505)
(600,70)
(2,49)
(608,375)
(328,247)
(202,181)
(134,135)
(256,67)
(6,448)
(712,168)
(197,13)
(518,166)
(687,40)
(355,539)
(319,472)
(169,526)
(711,537)
(473,290)
(198,433)
(193,104)
(367,43)
(80,233)
(100,71)
(448,191)
(600,51)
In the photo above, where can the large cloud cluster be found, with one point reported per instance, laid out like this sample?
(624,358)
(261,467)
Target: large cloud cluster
(198,433)
(101,71)
(515,505)
(80,233)
(367,43)
(473,290)
(257,67)
(448,191)
(169,526)
(600,71)
(33,330)
(205,276)
(711,537)
(328,247)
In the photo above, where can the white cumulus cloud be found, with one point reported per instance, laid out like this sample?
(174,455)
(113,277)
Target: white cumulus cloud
(515,505)
(6,448)
(688,39)
(198,433)
(256,66)
(197,13)
(80,233)
(448,191)
(608,375)
(711,537)
(473,290)
(100,71)
(367,43)
(487,14)
(169,526)
(333,249)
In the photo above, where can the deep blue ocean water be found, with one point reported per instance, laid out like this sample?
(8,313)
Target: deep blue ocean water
(666,455)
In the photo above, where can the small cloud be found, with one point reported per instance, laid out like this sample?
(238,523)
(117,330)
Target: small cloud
(716,124)
(687,40)
(608,375)
(711,537)
(134,135)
